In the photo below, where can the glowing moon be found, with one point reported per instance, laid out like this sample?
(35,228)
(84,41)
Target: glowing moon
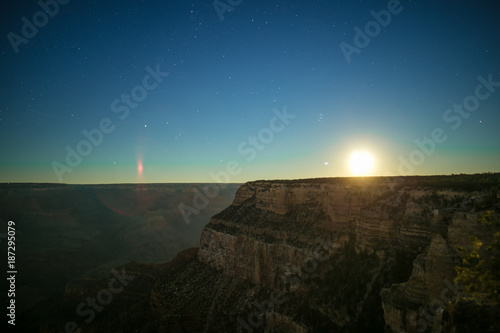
(361,163)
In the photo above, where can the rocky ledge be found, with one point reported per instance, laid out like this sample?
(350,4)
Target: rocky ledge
(323,255)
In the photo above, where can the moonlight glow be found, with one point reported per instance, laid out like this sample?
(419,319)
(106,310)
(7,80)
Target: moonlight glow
(186,90)
(361,163)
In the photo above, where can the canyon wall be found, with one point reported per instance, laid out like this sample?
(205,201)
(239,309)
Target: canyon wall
(316,255)
(411,227)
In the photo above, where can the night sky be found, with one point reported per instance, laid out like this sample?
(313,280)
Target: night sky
(165,91)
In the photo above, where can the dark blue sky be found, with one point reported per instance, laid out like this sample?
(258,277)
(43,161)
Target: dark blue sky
(266,93)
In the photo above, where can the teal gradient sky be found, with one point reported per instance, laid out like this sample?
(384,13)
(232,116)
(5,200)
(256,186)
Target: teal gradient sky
(227,80)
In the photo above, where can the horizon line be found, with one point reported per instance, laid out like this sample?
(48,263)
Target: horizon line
(257,180)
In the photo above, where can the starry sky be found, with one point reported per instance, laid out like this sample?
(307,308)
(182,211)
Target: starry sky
(199,91)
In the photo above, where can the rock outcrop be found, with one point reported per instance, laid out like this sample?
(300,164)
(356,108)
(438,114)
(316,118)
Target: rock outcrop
(321,255)
(412,227)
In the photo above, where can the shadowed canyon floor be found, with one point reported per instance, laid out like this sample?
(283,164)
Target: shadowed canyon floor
(67,235)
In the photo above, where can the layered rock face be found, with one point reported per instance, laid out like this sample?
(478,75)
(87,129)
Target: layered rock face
(317,255)
(410,228)
(271,225)
(267,232)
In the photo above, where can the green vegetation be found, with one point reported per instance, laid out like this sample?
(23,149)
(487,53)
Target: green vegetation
(480,270)
(464,182)
(439,201)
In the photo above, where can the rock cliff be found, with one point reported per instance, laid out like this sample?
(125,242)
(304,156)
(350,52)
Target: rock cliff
(411,228)
(319,255)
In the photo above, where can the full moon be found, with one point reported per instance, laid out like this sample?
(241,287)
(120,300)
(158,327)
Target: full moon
(361,163)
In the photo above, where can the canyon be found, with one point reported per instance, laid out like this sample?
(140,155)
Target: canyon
(72,234)
(375,254)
